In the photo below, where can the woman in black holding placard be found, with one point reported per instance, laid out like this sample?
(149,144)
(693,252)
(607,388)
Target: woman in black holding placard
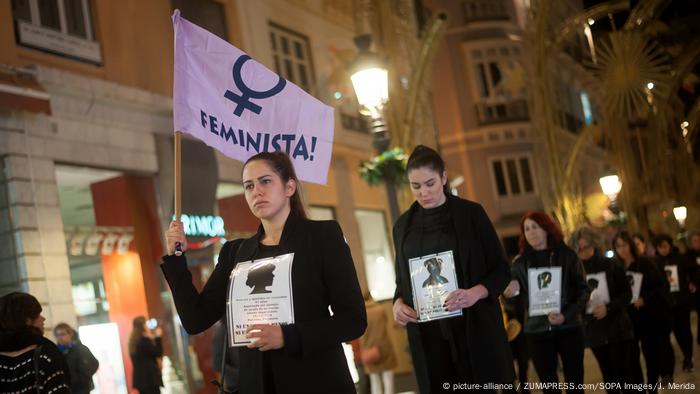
(472,348)
(554,333)
(304,357)
(650,312)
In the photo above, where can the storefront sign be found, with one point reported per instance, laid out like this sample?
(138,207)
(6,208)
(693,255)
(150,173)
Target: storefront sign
(203,226)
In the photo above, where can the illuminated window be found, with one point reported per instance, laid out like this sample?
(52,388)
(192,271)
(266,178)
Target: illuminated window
(376,250)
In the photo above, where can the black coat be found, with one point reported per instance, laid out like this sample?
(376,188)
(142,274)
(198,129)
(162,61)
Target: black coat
(147,374)
(323,275)
(656,316)
(686,271)
(574,289)
(483,261)
(616,326)
(82,365)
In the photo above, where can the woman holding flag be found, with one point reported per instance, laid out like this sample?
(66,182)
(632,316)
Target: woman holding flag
(305,356)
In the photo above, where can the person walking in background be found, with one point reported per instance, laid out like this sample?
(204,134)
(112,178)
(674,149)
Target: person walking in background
(692,257)
(471,347)
(548,272)
(305,356)
(607,325)
(146,351)
(678,273)
(650,312)
(376,350)
(80,360)
(642,247)
(29,363)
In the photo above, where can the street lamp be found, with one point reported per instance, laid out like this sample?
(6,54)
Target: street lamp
(680,213)
(370,79)
(611,186)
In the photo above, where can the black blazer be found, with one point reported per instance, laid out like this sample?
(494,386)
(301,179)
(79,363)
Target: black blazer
(323,275)
(483,261)
(147,374)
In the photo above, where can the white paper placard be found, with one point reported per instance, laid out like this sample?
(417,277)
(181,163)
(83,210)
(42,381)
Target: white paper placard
(671,272)
(600,295)
(635,280)
(433,278)
(260,292)
(544,286)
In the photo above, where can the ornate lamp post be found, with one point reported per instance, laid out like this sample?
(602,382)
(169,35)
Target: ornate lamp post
(370,79)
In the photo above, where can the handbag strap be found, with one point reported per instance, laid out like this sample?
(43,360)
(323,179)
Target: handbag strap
(35,362)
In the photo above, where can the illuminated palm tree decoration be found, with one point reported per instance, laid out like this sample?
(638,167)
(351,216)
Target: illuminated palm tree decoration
(631,70)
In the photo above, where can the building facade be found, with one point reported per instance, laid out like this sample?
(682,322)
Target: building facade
(483,110)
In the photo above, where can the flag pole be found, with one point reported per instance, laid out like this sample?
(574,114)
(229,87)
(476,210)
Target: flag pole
(178,186)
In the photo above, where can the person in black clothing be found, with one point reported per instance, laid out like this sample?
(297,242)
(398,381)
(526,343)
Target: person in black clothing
(146,352)
(472,348)
(558,332)
(650,312)
(692,257)
(81,362)
(27,359)
(303,357)
(679,275)
(607,325)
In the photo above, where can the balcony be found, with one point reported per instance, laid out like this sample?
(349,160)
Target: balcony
(484,10)
(502,112)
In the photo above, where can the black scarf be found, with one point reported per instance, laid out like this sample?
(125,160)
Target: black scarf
(14,341)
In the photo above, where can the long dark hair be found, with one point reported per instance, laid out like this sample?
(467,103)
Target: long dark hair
(137,330)
(17,310)
(627,238)
(554,234)
(281,164)
(423,156)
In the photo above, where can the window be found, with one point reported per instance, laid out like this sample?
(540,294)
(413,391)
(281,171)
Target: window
(63,27)
(376,250)
(292,56)
(321,213)
(512,176)
(205,13)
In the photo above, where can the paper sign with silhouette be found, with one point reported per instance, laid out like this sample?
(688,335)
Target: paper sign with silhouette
(544,285)
(433,278)
(260,292)
(672,277)
(600,295)
(635,281)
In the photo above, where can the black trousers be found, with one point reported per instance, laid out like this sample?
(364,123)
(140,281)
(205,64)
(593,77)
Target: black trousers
(568,345)
(613,360)
(521,354)
(658,355)
(681,330)
(634,365)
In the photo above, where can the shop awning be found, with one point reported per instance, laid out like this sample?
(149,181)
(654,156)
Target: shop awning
(21,91)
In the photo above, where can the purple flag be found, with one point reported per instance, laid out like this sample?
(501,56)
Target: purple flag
(236,105)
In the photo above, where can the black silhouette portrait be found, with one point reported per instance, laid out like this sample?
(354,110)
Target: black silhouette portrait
(669,276)
(544,279)
(593,283)
(630,279)
(261,277)
(434,266)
